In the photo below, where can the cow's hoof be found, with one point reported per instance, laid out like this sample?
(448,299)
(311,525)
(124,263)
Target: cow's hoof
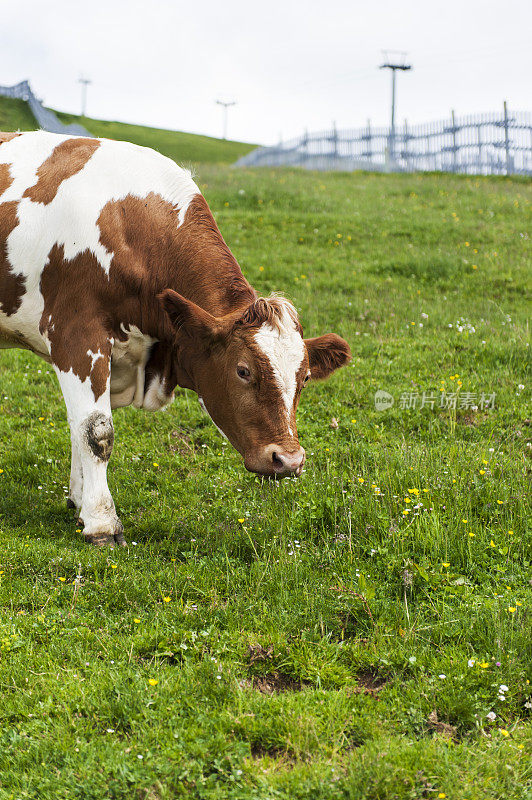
(100,539)
(70,503)
(119,535)
(108,539)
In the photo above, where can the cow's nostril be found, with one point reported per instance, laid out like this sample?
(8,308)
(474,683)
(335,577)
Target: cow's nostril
(277,460)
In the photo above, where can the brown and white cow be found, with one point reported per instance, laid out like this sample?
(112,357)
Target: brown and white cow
(113,270)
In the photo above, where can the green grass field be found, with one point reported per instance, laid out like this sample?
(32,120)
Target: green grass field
(363,632)
(16,115)
(186,148)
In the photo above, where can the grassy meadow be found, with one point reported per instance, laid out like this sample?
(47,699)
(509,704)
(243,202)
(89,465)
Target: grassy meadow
(363,632)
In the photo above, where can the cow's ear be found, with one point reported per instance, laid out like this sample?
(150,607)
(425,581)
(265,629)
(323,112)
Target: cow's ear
(186,316)
(326,353)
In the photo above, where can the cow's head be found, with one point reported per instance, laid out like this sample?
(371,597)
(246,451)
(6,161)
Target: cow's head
(249,370)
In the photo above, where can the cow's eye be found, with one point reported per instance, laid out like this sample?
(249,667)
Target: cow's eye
(306,379)
(243,372)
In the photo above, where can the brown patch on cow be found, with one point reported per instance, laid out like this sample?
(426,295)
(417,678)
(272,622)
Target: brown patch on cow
(273,683)
(7,137)
(5,178)
(12,286)
(66,160)
(443,728)
(72,318)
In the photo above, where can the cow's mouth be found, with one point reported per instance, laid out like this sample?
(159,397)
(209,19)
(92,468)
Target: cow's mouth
(275,462)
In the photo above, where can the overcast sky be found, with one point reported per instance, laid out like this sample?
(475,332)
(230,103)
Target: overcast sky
(290,65)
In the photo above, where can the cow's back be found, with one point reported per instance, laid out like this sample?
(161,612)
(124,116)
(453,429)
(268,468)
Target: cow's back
(54,193)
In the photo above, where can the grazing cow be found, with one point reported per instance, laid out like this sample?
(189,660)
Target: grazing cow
(113,270)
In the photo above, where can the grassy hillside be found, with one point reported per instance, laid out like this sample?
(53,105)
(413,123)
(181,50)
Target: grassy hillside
(362,633)
(181,147)
(16,115)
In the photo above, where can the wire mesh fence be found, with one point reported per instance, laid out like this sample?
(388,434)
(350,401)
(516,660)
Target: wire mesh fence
(498,143)
(45,118)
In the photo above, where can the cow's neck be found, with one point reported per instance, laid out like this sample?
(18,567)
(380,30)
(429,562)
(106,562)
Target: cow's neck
(199,266)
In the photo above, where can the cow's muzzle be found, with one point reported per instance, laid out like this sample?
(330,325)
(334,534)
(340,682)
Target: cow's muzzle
(274,461)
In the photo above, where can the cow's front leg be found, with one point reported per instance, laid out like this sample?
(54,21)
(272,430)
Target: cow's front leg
(88,405)
(75,489)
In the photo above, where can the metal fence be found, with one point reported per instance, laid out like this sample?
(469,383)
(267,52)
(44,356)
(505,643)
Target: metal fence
(485,144)
(45,118)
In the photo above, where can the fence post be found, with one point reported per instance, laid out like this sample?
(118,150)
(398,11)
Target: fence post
(454,140)
(507,141)
(335,139)
(369,150)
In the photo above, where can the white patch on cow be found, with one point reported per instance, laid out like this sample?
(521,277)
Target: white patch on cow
(157,395)
(94,357)
(204,408)
(114,171)
(24,161)
(285,351)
